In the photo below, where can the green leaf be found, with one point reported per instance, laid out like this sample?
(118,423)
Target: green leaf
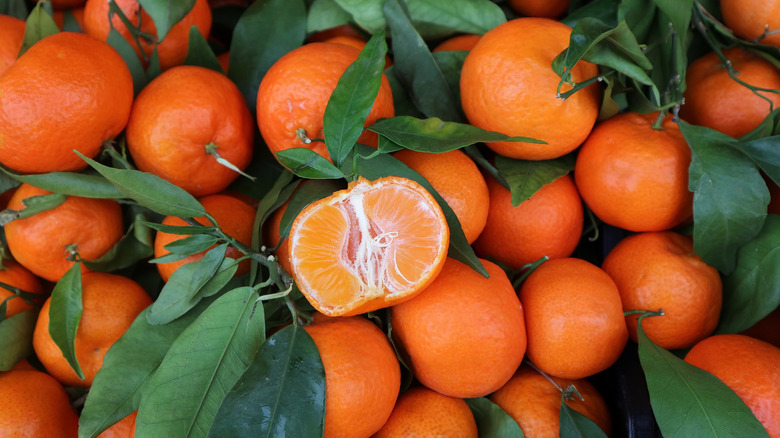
(191,244)
(575,425)
(765,152)
(679,13)
(81,184)
(282,393)
(526,177)
(199,52)
(126,51)
(402,101)
(450,63)
(366,13)
(308,164)
(492,421)
(688,401)
(38,26)
(16,335)
(151,191)
(437,18)
(752,291)
(266,31)
(189,283)
(33,205)
(435,135)
(69,22)
(65,310)
(205,361)
(124,254)
(604,10)
(417,69)
(182,230)
(166,13)
(127,367)
(14,8)
(730,196)
(325,14)
(352,99)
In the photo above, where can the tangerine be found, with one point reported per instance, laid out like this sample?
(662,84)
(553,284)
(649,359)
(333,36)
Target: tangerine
(11,37)
(15,275)
(32,404)
(421,412)
(753,20)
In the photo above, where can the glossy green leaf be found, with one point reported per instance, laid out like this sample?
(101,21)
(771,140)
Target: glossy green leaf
(688,401)
(437,18)
(191,245)
(308,164)
(492,421)
(402,101)
(38,26)
(81,184)
(730,196)
(126,51)
(65,310)
(282,393)
(16,335)
(752,291)
(352,99)
(308,193)
(450,63)
(266,31)
(205,361)
(199,52)
(765,152)
(366,13)
(604,10)
(124,254)
(33,205)
(526,177)
(325,14)
(180,229)
(575,425)
(151,191)
(166,13)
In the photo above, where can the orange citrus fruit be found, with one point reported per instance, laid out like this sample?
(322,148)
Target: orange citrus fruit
(659,270)
(15,275)
(293,94)
(42,242)
(458,180)
(421,412)
(535,402)
(362,375)
(234,216)
(68,91)
(181,119)
(540,8)
(751,368)
(549,223)
(124,428)
(464,334)
(574,318)
(172,50)
(750,19)
(507,85)
(110,304)
(458,42)
(369,246)
(633,176)
(11,37)
(33,404)
(716,100)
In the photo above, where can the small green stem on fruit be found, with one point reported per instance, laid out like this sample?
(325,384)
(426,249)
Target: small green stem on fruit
(117,156)
(767,33)
(272,296)
(301,133)
(526,271)
(73,252)
(577,87)
(211,149)
(644,313)
(546,376)
(28,297)
(594,224)
(570,392)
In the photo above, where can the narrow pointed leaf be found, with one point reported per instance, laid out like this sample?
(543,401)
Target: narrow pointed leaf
(575,425)
(125,253)
(70,183)
(526,177)
(366,13)
(39,25)
(65,310)
(441,17)
(180,229)
(166,13)
(308,164)
(765,152)
(492,421)
(199,52)
(16,335)
(125,50)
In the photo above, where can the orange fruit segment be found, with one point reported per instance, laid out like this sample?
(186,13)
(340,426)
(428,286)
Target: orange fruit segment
(367,247)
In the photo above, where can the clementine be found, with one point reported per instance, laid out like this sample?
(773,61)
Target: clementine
(15,275)
(124,428)
(751,20)
(421,412)
(32,403)
(11,37)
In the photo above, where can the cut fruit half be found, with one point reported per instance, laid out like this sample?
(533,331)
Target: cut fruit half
(372,245)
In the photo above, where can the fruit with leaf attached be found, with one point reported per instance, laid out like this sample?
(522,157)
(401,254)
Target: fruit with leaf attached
(17,276)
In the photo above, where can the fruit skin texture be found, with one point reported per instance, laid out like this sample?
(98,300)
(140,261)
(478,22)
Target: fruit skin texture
(11,37)
(111,303)
(549,223)
(124,428)
(33,404)
(659,270)
(747,19)
(751,368)
(171,51)
(507,85)
(294,93)
(421,412)
(68,91)
(714,100)
(464,334)
(233,215)
(362,375)
(535,403)
(16,275)
(39,242)
(574,318)
(633,176)
(458,180)
(175,118)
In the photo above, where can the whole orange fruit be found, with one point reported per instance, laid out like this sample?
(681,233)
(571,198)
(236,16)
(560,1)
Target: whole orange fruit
(464,334)
(750,19)
(421,412)
(42,242)
(172,50)
(124,428)
(507,85)
(458,180)
(458,42)
(549,223)
(574,318)
(362,375)
(184,116)
(659,270)
(751,368)
(65,83)
(33,404)
(633,176)
(293,94)
(16,275)
(110,304)
(540,8)
(715,100)
(11,37)
(535,402)
(233,215)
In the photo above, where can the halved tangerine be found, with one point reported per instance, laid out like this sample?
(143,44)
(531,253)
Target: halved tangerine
(372,245)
